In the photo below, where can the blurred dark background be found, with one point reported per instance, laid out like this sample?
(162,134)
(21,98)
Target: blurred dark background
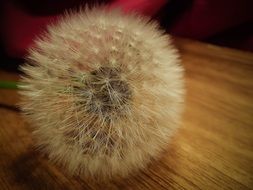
(223,22)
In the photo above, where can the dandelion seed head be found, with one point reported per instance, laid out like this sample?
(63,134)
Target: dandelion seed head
(103,92)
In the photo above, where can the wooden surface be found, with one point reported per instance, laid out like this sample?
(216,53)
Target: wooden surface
(213,149)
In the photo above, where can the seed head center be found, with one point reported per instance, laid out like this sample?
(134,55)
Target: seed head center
(110,93)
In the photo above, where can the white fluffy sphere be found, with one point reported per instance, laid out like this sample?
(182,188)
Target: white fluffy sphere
(103,92)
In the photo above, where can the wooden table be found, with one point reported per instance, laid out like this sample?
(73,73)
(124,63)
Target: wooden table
(212,150)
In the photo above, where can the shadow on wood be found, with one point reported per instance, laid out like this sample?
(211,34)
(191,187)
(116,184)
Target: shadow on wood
(28,171)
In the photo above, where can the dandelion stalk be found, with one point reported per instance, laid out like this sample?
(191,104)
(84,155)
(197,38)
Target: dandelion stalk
(8,84)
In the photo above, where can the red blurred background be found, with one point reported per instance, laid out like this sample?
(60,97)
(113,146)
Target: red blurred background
(223,22)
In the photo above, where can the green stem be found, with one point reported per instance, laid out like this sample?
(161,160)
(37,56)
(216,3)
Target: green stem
(8,85)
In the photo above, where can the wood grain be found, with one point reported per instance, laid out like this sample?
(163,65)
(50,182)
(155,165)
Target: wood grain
(213,149)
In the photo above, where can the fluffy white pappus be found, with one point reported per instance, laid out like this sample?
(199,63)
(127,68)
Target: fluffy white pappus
(103,92)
